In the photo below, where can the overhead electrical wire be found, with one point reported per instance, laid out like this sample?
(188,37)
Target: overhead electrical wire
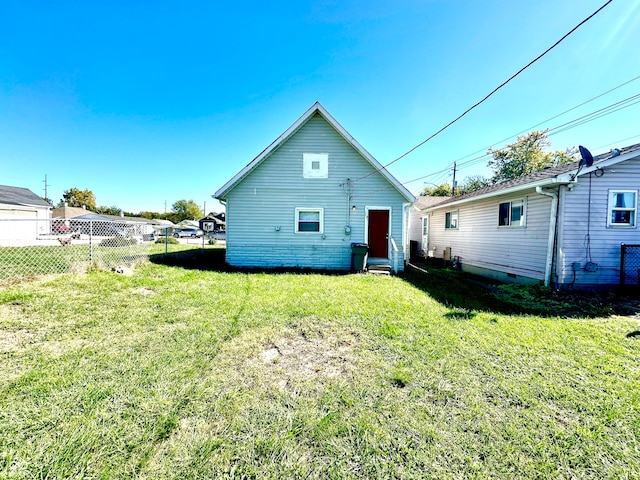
(492,92)
(609,109)
(596,114)
(500,142)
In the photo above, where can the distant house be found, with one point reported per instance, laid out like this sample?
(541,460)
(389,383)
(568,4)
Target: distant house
(86,222)
(213,223)
(23,214)
(308,196)
(563,225)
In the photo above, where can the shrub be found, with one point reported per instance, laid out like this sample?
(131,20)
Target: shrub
(171,240)
(118,242)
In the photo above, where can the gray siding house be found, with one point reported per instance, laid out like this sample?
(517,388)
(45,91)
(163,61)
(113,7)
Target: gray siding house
(562,226)
(308,196)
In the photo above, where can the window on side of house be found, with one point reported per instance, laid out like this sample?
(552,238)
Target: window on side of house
(309,220)
(451,219)
(315,165)
(622,208)
(511,214)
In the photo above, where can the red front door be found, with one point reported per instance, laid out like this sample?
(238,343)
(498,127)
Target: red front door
(379,233)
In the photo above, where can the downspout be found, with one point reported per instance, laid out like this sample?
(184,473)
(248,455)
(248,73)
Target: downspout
(552,233)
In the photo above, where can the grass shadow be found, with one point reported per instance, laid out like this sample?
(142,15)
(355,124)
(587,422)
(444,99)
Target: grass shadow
(214,259)
(466,294)
(209,259)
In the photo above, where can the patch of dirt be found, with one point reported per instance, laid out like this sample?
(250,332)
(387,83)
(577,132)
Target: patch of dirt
(308,357)
(15,340)
(143,291)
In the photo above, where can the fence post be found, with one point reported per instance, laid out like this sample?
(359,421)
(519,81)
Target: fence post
(622,252)
(90,242)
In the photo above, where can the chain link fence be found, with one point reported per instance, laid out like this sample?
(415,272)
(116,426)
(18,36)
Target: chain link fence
(629,264)
(31,247)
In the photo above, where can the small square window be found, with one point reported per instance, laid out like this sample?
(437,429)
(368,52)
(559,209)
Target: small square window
(451,219)
(315,165)
(309,220)
(622,208)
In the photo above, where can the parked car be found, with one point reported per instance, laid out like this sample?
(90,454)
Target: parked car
(188,232)
(218,235)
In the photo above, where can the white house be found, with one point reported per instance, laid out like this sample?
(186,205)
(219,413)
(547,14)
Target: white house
(419,224)
(23,215)
(564,225)
(308,196)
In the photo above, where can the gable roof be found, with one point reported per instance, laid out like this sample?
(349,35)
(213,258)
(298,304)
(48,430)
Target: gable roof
(20,196)
(425,201)
(562,174)
(289,132)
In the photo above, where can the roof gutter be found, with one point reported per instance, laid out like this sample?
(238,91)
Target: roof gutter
(552,233)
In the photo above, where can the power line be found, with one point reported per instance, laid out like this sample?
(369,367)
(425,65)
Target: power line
(612,108)
(596,114)
(493,91)
(549,119)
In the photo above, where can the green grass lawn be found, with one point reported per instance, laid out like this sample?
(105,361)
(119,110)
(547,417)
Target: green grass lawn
(185,373)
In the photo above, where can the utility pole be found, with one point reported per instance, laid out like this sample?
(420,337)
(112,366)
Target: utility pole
(46,185)
(453,184)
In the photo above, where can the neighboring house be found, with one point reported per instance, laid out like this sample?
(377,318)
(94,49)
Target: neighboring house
(419,225)
(563,225)
(23,214)
(308,196)
(212,223)
(86,222)
(66,212)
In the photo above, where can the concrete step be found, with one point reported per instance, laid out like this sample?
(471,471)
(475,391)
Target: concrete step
(381,269)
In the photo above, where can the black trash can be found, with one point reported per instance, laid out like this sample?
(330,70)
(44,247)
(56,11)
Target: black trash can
(359,256)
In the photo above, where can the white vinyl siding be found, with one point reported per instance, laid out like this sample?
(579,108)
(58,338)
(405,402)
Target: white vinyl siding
(586,216)
(479,242)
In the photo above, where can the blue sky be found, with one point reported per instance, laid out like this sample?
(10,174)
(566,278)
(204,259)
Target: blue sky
(151,102)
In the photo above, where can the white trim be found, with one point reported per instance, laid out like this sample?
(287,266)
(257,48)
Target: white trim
(308,161)
(366,225)
(320,210)
(633,209)
(523,218)
(457,212)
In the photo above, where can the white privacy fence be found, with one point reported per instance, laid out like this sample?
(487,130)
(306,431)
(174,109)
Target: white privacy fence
(43,246)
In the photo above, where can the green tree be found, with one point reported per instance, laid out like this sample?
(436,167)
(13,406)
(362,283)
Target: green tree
(442,190)
(113,210)
(472,183)
(525,156)
(185,210)
(75,197)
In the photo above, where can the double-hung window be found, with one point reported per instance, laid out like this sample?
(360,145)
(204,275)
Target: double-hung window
(511,214)
(451,219)
(622,208)
(309,220)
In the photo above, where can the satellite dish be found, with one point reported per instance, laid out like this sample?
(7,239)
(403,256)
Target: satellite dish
(587,158)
